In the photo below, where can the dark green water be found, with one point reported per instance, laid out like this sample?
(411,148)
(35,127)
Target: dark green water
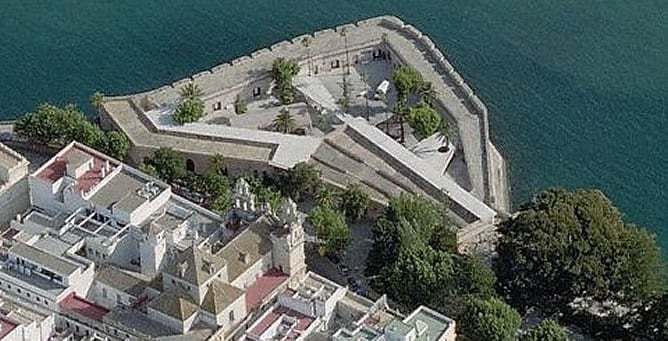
(576,89)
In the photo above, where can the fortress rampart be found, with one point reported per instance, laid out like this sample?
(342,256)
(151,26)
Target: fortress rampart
(249,77)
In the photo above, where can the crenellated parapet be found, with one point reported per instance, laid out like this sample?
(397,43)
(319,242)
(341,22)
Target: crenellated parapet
(248,77)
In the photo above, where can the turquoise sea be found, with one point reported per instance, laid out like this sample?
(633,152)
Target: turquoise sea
(577,90)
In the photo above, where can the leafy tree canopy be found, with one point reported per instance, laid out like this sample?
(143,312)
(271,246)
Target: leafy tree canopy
(354,202)
(53,125)
(650,322)
(169,164)
(188,111)
(301,180)
(330,226)
(217,165)
(424,120)
(406,80)
(414,242)
(282,72)
(417,273)
(490,319)
(116,144)
(565,245)
(546,330)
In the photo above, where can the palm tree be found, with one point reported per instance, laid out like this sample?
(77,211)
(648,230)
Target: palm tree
(448,131)
(344,34)
(401,111)
(191,91)
(96,101)
(427,92)
(284,122)
(325,196)
(307,42)
(365,81)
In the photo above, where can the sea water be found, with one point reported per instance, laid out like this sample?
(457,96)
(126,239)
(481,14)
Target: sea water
(576,89)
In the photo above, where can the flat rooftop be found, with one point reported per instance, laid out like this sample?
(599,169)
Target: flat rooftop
(76,304)
(44,259)
(9,158)
(262,287)
(76,155)
(291,324)
(125,191)
(44,286)
(287,149)
(435,323)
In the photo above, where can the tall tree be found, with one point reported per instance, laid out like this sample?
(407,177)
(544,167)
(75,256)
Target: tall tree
(217,164)
(344,34)
(566,245)
(116,144)
(191,91)
(188,111)
(424,120)
(282,72)
(650,322)
(330,226)
(427,93)
(169,164)
(491,320)
(354,202)
(306,42)
(284,122)
(546,330)
(326,196)
(96,101)
(417,273)
(300,181)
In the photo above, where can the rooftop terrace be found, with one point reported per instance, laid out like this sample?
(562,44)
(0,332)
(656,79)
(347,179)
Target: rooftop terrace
(75,156)
(281,323)
(78,305)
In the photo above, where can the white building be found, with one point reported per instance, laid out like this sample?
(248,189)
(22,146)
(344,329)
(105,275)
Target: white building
(319,309)
(112,254)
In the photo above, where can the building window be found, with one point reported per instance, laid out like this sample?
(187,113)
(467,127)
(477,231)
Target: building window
(231,316)
(257,92)
(104,292)
(217,106)
(18,290)
(118,299)
(28,294)
(335,64)
(190,165)
(38,300)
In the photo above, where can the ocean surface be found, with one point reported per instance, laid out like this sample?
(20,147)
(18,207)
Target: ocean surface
(577,90)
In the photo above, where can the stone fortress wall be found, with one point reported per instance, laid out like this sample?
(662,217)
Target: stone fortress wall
(227,83)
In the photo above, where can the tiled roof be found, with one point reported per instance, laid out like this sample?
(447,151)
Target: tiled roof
(219,296)
(247,248)
(194,266)
(119,279)
(174,303)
